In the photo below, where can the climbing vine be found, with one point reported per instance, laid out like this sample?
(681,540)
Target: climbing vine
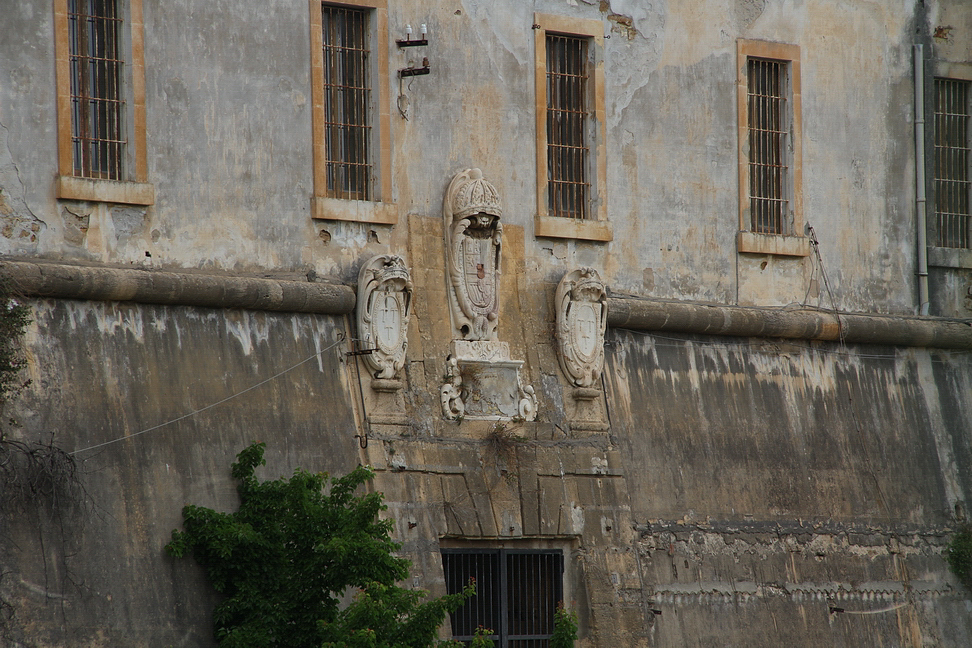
(14,317)
(292,549)
(959,555)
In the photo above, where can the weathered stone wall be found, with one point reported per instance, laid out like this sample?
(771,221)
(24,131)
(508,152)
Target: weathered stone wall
(89,570)
(718,491)
(229,153)
(785,490)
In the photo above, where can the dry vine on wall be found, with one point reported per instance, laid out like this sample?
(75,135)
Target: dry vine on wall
(40,482)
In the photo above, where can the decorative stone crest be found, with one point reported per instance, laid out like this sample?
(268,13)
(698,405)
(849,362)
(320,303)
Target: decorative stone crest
(581,304)
(473,237)
(384,308)
(482,381)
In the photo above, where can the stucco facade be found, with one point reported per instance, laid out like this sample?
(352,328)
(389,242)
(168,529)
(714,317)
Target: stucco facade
(776,450)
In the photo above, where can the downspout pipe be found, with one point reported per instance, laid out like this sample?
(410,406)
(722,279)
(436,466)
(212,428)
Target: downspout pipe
(920,179)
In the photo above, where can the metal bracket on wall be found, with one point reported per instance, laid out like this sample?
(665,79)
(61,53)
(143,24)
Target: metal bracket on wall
(416,71)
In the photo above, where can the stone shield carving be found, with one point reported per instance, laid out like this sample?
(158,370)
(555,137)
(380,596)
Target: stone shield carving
(384,308)
(473,238)
(581,322)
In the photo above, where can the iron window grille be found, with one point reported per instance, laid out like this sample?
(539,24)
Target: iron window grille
(347,103)
(97,104)
(952,159)
(517,592)
(568,150)
(770,145)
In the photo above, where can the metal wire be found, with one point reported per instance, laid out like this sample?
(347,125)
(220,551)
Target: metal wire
(96,99)
(347,103)
(567,124)
(769,157)
(952,181)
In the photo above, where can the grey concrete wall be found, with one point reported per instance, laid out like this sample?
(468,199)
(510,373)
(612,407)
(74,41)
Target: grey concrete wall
(90,570)
(791,490)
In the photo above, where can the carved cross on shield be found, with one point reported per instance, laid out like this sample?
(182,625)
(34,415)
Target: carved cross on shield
(581,320)
(384,307)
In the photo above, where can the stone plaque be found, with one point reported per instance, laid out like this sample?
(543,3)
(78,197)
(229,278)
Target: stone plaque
(482,382)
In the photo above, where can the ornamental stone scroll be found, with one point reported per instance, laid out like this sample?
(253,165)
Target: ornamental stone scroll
(473,239)
(384,309)
(581,304)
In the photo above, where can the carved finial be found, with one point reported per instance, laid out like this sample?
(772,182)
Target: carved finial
(474,195)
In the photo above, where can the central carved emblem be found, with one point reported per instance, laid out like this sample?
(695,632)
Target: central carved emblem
(473,232)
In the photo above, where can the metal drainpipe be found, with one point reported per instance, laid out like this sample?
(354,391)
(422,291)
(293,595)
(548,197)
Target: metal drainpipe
(920,179)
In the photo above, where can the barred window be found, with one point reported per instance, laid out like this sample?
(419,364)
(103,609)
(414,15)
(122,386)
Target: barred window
(517,592)
(770,146)
(952,159)
(347,102)
(567,124)
(97,103)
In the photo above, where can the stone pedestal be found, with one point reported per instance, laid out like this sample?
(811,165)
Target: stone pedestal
(483,383)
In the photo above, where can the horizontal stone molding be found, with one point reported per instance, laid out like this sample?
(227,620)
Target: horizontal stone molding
(792,323)
(100,283)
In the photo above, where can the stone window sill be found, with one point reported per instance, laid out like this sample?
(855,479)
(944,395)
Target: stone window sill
(360,211)
(586,230)
(108,191)
(752,243)
(942,257)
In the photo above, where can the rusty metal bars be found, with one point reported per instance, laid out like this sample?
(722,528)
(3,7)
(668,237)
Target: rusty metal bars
(347,103)
(97,103)
(534,587)
(484,608)
(952,160)
(769,145)
(568,151)
(517,592)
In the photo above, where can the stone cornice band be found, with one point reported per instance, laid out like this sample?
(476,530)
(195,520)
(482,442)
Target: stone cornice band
(41,279)
(63,281)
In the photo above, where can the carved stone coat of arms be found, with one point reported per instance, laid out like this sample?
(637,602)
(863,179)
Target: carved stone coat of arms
(581,303)
(384,308)
(473,233)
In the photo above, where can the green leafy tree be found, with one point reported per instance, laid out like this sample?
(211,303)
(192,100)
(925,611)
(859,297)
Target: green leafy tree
(291,550)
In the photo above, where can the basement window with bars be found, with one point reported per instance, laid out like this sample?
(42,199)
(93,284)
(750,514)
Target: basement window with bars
(97,102)
(952,160)
(568,120)
(517,592)
(770,146)
(347,102)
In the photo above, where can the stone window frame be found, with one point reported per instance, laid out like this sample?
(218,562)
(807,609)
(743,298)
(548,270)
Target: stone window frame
(136,190)
(596,228)
(940,257)
(381,209)
(793,243)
